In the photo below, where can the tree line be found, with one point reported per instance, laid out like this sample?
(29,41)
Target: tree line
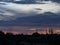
(34,39)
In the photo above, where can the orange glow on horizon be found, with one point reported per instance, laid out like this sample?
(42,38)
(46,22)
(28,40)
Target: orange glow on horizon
(29,30)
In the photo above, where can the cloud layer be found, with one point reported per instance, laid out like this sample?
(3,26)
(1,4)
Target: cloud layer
(12,11)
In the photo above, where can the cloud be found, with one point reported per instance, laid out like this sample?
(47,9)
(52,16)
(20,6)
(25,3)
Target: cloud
(12,10)
(35,1)
(57,1)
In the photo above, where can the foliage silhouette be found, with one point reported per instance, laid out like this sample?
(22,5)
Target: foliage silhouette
(34,39)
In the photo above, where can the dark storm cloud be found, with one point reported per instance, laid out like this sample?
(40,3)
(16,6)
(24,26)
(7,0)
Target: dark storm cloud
(58,1)
(30,1)
(26,1)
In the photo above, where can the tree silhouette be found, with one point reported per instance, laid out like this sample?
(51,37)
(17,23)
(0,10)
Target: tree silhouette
(34,39)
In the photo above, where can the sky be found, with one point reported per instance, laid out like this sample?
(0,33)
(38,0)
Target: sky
(26,14)
(13,10)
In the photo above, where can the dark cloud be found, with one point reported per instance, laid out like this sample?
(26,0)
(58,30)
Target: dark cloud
(26,1)
(58,1)
(30,1)
(46,19)
(34,1)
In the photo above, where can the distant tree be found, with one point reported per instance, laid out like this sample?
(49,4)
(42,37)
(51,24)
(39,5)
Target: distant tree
(1,33)
(36,34)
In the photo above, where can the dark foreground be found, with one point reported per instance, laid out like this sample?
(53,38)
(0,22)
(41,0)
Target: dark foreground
(34,39)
